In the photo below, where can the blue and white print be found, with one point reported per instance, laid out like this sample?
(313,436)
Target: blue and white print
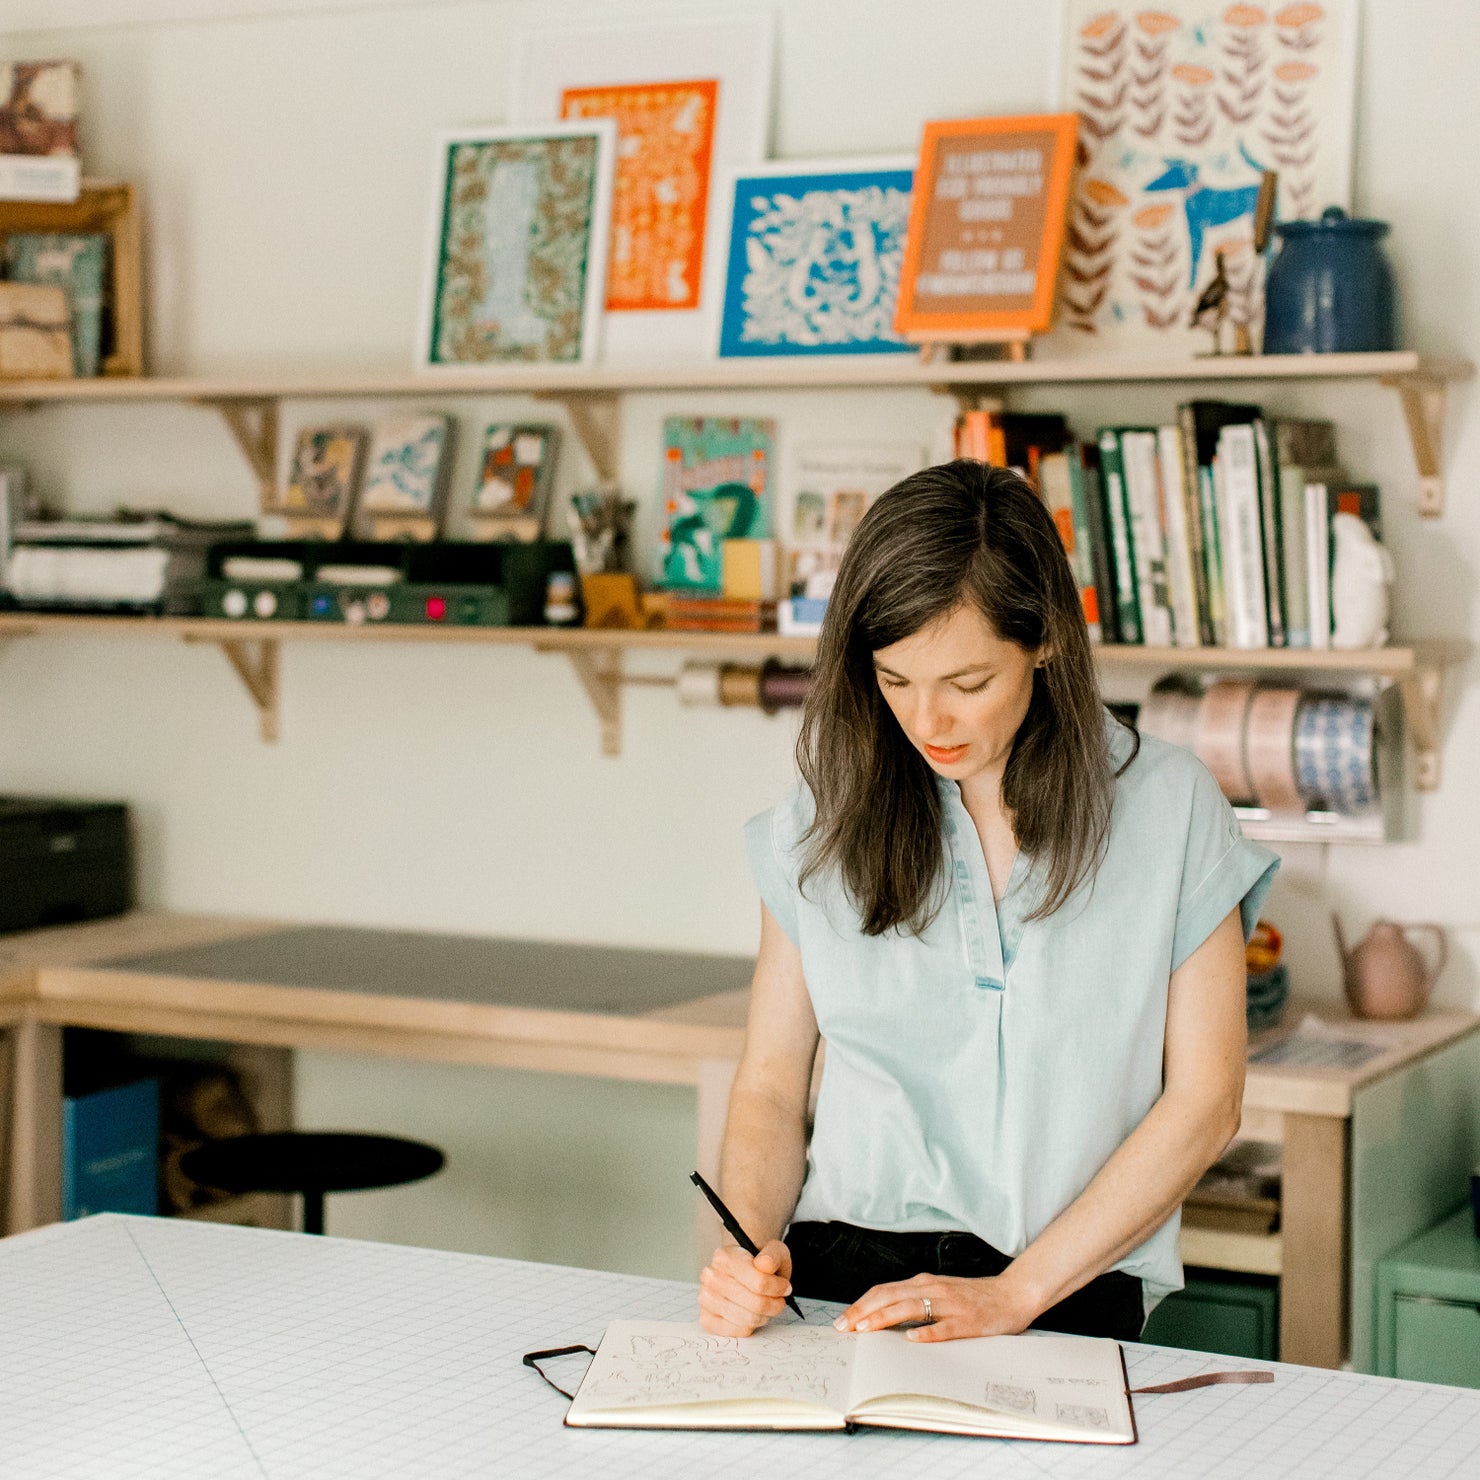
(814,261)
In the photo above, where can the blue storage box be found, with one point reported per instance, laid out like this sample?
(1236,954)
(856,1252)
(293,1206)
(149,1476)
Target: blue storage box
(110,1151)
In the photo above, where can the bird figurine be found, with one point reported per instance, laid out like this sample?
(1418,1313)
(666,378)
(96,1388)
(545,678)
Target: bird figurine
(1211,307)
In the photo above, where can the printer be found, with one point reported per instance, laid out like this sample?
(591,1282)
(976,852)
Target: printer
(62,860)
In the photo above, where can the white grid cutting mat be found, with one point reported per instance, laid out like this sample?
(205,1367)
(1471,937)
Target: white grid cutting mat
(178,1350)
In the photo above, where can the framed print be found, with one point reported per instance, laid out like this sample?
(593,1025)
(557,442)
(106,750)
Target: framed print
(690,98)
(717,481)
(519,246)
(515,473)
(406,477)
(810,258)
(660,195)
(1182,109)
(986,228)
(322,482)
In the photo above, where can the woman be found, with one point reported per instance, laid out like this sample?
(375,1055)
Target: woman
(1019,928)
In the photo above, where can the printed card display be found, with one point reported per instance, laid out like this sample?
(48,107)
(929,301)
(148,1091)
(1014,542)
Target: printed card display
(986,228)
(716,486)
(813,257)
(520,245)
(514,479)
(324,478)
(406,474)
(38,131)
(660,195)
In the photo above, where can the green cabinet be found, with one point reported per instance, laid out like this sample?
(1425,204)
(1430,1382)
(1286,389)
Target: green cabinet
(1236,1315)
(1428,1306)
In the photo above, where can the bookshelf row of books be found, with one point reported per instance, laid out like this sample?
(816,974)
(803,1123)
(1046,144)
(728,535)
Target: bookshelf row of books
(1214,530)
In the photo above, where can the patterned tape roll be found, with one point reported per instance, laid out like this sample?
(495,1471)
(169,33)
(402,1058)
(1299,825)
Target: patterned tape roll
(1220,737)
(1171,715)
(740,684)
(783,688)
(698,684)
(1336,752)
(1269,745)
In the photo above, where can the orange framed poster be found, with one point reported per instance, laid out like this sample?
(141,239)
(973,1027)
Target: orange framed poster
(986,228)
(665,138)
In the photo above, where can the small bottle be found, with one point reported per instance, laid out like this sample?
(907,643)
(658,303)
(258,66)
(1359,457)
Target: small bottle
(561,606)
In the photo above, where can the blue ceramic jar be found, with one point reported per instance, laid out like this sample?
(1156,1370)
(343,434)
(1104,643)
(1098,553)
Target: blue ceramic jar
(1329,288)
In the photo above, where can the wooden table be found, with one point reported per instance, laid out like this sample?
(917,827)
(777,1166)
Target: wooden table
(1372,1153)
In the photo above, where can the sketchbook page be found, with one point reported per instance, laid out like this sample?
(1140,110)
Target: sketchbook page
(659,1373)
(1035,1385)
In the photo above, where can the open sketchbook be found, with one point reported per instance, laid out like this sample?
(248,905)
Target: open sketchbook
(670,1374)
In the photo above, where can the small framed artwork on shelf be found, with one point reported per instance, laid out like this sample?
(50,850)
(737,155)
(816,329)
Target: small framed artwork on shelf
(689,97)
(987,222)
(810,258)
(514,478)
(519,234)
(91,247)
(717,486)
(406,478)
(322,483)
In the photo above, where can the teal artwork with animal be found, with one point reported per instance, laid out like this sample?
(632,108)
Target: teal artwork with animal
(716,487)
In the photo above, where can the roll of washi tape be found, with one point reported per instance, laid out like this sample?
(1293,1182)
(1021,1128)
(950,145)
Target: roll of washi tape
(1220,736)
(1336,752)
(1269,746)
(698,684)
(782,687)
(1170,713)
(740,684)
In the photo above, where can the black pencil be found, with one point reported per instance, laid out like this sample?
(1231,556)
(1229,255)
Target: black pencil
(732,1227)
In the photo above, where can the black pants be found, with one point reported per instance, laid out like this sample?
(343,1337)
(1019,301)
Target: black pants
(836,1261)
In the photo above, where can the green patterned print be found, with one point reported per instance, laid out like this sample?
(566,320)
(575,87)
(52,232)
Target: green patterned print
(516,239)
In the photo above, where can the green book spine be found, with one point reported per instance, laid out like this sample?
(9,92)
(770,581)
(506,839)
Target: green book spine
(1117,516)
(1270,533)
(1213,556)
(1197,537)
(1293,554)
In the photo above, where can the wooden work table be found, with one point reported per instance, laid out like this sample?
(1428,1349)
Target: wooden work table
(1369,1150)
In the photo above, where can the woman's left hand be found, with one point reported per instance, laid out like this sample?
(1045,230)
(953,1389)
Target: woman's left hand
(991,1306)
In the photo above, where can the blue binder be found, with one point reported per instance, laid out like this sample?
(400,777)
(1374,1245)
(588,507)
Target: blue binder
(110,1151)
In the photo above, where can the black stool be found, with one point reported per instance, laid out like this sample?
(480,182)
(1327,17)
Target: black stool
(311,1163)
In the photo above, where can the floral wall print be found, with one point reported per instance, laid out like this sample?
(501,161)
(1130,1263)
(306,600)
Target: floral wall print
(814,259)
(665,136)
(521,245)
(1182,106)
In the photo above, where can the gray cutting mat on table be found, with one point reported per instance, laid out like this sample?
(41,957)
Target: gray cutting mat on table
(456,968)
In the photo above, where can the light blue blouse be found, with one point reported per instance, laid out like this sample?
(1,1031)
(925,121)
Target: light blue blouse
(979,1076)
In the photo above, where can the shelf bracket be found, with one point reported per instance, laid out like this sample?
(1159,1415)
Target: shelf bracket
(253,425)
(1421,692)
(600,673)
(597,418)
(256,664)
(1424,400)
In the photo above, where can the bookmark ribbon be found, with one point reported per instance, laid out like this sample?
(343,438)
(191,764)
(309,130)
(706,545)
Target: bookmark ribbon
(532,1360)
(1205,1379)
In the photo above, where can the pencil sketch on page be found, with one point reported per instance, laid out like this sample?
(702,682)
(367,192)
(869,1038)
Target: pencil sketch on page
(638,1367)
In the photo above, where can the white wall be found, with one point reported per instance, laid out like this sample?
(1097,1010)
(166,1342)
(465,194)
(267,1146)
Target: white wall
(286,165)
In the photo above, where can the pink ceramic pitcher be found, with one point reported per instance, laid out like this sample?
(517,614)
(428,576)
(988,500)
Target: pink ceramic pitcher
(1384,974)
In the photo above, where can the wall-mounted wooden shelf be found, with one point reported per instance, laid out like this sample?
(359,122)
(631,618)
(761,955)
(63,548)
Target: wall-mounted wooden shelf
(597,656)
(590,393)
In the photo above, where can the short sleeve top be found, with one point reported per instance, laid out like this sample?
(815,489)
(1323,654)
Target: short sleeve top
(978,1076)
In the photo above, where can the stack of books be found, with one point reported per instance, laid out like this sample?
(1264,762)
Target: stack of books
(696,612)
(1214,531)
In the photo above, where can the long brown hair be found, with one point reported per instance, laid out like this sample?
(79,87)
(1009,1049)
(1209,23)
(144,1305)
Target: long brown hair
(960,532)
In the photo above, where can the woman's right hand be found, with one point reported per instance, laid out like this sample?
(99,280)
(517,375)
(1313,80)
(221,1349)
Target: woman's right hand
(739,1293)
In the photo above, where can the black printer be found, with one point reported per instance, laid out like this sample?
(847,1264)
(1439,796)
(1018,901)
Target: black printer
(62,860)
